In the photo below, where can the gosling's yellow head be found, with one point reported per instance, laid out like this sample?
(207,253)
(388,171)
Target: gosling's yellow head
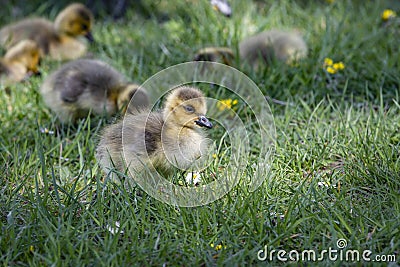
(75,20)
(27,53)
(186,107)
(215,54)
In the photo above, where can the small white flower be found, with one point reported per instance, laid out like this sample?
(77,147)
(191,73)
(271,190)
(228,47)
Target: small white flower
(193,178)
(114,230)
(276,215)
(325,184)
(46,131)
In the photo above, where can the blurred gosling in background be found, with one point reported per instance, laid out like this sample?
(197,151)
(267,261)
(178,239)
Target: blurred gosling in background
(20,62)
(260,50)
(60,39)
(88,85)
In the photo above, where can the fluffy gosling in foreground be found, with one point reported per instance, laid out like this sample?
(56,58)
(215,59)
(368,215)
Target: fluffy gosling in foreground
(20,62)
(88,85)
(162,139)
(59,40)
(260,49)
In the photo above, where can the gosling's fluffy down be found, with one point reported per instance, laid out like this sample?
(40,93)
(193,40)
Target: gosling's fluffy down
(88,85)
(19,62)
(270,45)
(58,39)
(162,139)
(260,49)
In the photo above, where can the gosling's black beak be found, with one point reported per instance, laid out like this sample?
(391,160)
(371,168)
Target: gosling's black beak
(204,122)
(90,37)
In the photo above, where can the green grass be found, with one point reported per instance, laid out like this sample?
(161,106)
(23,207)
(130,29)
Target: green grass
(336,168)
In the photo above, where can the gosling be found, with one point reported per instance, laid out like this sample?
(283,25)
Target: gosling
(88,85)
(164,139)
(20,62)
(272,45)
(260,49)
(59,40)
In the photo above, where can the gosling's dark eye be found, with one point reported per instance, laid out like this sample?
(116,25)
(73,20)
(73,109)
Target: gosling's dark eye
(189,109)
(84,27)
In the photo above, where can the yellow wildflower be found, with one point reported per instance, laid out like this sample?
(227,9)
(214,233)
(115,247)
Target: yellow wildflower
(217,247)
(333,67)
(226,104)
(338,66)
(388,14)
(31,248)
(214,156)
(331,70)
(328,61)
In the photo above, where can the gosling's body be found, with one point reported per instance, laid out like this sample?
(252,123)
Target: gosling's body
(59,40)
(272,45)
(165,139)
(260,49)
(19,62)
(87,85)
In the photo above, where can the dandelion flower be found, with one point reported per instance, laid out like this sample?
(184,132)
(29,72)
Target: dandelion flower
(331,70)
(214,156)
(338,66)
(328,61)
(216,247)
(226,104)
(333,67)
(388,14)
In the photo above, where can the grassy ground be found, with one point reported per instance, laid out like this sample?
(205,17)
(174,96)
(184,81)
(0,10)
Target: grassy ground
(336,170)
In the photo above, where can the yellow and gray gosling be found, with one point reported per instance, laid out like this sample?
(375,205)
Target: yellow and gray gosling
(19,62)
(260,49)
(171,137)
(59,40)
(272,45)
(88,85)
